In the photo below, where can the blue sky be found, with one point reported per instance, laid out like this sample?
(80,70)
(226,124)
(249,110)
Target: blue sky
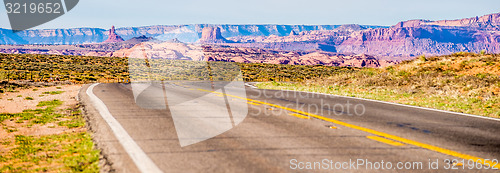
(121,13)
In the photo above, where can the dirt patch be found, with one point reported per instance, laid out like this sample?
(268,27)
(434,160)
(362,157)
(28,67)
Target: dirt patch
(16,102)
(43,130)
(12,103)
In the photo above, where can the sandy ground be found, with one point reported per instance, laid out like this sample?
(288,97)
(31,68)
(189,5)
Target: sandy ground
(11,103)
(9,128)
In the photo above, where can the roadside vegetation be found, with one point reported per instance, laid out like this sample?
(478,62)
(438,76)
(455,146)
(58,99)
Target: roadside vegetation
(50,136)
(461,82)
(257,72)
(84,69)
(48,68)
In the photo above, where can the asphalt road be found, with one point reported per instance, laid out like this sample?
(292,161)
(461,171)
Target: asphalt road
(284,131)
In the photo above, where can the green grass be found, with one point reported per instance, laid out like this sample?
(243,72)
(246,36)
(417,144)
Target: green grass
(72,152)
(76,120)
(74,123)
(23,116)
(66,152)
(6,86)
(10,129)
(52,103)
(53,92)
(37,116)
(28,98)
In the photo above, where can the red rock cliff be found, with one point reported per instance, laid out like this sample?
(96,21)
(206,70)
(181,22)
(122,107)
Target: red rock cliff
(113,37)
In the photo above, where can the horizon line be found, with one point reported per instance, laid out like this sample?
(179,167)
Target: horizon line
(204,24)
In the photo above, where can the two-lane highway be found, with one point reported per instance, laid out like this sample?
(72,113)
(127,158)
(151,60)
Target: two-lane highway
(286,131)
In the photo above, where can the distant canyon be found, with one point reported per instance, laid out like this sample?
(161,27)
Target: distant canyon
(333,45)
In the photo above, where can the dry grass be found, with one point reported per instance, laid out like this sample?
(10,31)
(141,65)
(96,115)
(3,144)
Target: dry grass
(462,82)
(46,133)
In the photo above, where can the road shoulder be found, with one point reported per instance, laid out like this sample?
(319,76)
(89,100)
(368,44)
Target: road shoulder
(113,156)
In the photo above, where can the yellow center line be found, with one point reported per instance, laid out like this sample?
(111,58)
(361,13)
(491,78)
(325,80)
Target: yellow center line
(299,116)
(253,103)
(385,135)
(206,91)
(383,140)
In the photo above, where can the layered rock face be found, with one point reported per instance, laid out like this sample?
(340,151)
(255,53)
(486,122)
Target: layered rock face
(96,49)
(9,37)
(486,21)
(405,39)
(165,50)
(212,35)
(98,35)
(420,37)
(113,37)
(255,55)
(59,36)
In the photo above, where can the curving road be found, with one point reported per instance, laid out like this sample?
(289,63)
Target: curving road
(288,131)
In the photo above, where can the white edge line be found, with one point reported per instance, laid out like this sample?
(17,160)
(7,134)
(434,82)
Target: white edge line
(141,160)
(398,104)
(251,86)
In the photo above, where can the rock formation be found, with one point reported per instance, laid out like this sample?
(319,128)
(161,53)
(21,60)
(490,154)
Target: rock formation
(98,35)
(405,39)
(140,39)
(423,37)
(255,55)
(212,35)
(164,50)
(486,21)
(113,37)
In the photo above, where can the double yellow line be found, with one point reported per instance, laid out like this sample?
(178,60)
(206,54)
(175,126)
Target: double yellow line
(382,134)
